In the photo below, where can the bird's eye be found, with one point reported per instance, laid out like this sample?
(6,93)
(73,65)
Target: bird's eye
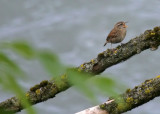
(120,24)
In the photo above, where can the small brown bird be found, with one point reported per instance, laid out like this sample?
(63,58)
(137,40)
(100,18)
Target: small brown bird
(117,34)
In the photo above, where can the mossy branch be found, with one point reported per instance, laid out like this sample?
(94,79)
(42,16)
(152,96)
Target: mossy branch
(132,98)
(48,89)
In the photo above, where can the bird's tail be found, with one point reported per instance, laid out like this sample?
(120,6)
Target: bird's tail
(105,43)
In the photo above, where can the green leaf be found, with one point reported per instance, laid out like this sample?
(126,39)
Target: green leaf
(21,47)
(78,79)
(91,86)
(7,65)
(51,63)
(105,85)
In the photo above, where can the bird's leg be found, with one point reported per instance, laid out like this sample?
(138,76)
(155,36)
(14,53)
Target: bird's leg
(112,49)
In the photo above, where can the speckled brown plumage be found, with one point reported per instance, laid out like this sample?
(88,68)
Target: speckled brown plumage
(117,34)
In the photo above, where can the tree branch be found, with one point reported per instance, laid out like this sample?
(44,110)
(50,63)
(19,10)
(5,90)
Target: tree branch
(48,89)
(132,98)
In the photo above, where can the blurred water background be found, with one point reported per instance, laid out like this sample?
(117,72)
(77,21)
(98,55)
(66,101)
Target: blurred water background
(76,31)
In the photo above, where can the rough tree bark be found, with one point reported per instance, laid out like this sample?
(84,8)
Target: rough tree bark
(48,89)
(132,98)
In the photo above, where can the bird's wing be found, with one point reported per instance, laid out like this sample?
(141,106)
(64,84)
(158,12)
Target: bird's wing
(112,34)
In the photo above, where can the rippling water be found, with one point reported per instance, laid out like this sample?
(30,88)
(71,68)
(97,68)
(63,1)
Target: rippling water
(76,31)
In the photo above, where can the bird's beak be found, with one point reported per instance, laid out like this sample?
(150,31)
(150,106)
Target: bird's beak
(125,26)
